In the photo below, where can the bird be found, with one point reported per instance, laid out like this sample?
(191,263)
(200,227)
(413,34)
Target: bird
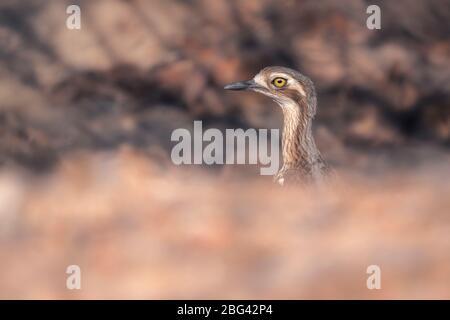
(296,95)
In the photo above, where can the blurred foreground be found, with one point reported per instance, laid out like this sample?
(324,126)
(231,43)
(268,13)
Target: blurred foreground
(138,231)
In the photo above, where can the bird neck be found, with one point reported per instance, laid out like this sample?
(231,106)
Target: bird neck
(298,145)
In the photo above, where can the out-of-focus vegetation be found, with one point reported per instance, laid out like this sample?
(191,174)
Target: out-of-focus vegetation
(138,69)
(85,171)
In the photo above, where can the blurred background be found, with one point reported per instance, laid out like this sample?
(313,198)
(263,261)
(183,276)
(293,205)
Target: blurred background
(85,171)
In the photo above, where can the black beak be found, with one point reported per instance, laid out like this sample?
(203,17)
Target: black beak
(241,85)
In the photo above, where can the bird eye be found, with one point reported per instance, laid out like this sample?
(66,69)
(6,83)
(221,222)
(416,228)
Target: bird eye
(279,82)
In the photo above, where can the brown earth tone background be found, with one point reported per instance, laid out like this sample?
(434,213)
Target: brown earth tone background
(85,171)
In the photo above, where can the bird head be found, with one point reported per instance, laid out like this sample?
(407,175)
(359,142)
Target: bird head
(287,87)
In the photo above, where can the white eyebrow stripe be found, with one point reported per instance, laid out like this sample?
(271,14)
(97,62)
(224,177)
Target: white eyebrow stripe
(281,75)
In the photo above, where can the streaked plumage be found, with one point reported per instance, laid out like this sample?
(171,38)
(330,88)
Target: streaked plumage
(295,94)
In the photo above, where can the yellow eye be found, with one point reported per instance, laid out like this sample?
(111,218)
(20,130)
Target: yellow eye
(279,82)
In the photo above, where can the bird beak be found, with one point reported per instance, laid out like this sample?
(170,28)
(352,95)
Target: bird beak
(241,85)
